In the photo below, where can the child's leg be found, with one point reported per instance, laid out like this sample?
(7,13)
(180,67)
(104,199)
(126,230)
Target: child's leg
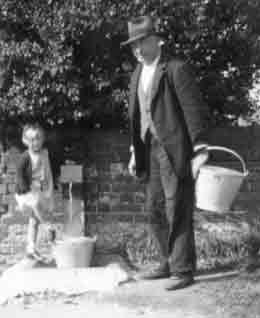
(39,210)
(32,233)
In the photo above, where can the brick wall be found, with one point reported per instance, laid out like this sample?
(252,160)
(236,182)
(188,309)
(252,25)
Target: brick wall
(109,190)
(110,194)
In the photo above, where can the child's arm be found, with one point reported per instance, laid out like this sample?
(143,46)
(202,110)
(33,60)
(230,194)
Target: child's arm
(49,174)
(22,179)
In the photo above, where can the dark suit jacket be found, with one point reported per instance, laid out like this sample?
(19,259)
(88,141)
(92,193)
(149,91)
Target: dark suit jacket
(179,113)
(23,174)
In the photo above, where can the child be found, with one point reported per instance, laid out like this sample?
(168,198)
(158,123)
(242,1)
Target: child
(34,188)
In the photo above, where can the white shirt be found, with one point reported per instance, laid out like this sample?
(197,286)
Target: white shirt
(144,94)
(147,74)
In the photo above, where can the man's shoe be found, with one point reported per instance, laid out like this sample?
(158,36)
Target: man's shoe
(179,281)
(163,271)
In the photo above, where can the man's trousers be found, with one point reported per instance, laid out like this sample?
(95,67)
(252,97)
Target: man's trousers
(173,227)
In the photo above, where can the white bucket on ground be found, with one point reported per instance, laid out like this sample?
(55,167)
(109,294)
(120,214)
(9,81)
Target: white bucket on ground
(216,187)
(74,251)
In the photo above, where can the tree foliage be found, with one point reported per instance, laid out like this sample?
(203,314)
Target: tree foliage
(61,60)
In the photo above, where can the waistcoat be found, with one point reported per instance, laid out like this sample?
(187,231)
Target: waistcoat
(145,110)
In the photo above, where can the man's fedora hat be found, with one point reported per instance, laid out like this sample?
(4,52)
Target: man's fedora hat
(139,28)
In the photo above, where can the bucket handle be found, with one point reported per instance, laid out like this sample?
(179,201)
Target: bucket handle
(235,154)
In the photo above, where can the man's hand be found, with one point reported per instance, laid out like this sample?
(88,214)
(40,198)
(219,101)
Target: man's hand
(132,165)
(199,159)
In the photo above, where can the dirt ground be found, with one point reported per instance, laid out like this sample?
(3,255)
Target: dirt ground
(225,294)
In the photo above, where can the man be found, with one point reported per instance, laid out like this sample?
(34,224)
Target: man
(167,120)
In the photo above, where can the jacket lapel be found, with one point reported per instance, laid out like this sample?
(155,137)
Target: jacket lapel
(160,70)
(133,90)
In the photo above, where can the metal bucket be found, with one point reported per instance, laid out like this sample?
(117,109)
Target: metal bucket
(216,187)
(74,252)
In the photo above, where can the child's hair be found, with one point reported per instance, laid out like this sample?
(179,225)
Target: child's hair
(33,126)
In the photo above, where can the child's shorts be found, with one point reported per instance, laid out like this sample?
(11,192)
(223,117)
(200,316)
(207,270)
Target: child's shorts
(29,202)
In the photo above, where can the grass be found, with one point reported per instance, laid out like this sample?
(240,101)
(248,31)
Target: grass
(222,240)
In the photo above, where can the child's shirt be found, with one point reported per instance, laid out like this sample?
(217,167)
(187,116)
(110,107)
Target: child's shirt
(41,174)
(34,173)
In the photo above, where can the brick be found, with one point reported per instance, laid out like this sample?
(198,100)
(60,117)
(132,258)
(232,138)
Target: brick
(238,206)
(113,199)
(11,220)
(8,199)
(142,218)
(124,187)
(94,218)
(90,172)
(115,156)
(89,213)
(71,173)
(104,187)
(127,207)
(102,161)
(9,178)
(90,187)
(123,178)
(120,147)
(101,147)
(139,197)
(104,198)
(120,140)
(248,196)
(3,209)
(2,260)
(3,188)
(103,177)
(103,207)
(11,168)
(127,218)
(92,197)
(251,186)
(11,188)
(111,218)
(116,169)
(120,155)
(127,197)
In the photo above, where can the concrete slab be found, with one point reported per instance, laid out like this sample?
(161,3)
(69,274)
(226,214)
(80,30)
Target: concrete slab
(20,279)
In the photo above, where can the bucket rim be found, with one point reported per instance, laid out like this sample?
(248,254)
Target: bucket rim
(233,152)
(75,239)
(222,170)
